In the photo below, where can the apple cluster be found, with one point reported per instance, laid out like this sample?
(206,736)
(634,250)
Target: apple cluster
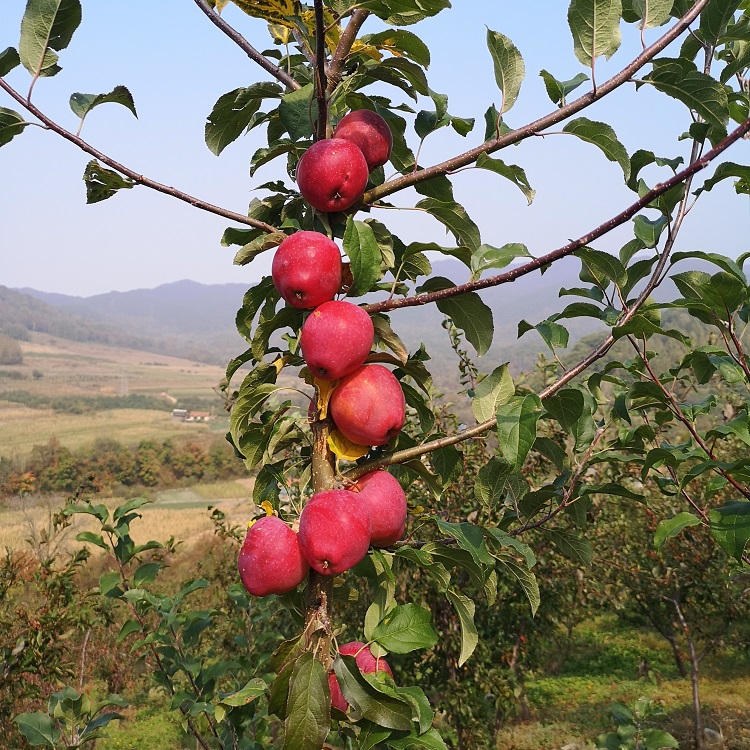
(336,526)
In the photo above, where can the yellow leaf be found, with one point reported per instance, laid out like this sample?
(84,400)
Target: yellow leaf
(267,507)
(325,389)
(333,35)
(273,11)
(280,33)
(366,49)
(345,449)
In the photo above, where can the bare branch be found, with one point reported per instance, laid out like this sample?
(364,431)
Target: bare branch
(571,247)
(139,179)
(278,73)
(321,80)
(488,147)
(348,37)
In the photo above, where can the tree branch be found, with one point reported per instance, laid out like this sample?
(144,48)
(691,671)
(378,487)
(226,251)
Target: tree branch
(321,80)
(598,353)
(278,73)
(542,123)
(571,247)
(348,37)
(139,179)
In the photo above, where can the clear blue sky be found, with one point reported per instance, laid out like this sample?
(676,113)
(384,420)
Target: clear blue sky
(176,65)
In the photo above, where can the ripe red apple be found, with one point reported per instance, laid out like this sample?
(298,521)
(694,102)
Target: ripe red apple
(332,174)
(336,339)
(367,664)
(387,501)
(369,131)
(270,559)
(306,269)
(334,531)
(368,406)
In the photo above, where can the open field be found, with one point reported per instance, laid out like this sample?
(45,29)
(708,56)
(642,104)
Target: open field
(75,370)
(181,513)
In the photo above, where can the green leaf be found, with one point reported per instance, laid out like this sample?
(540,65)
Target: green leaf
(146,573)
(715,18)
(92,538)
(553,334)
(526,578)
(360,245)
(129,627)
(652,13)
(11,125)
(513,173)
(369,699)
(109,584)
(730,526)
(491,482)
(82,104)
(603,136)
(233,112)
(298,112)
(509,67)
(658,739)
(729,170)
(468,311)
(603,267)
(648,231)
(465,609)
(47,25)
(491,391)
(486,257)
(454,217)
(102,183)
(570,409)
(696,90)
(572,545)
(9,59)
(38,728)
(559,90)
(252,690)
(405,628)
(308,715)
(404,12)
(402,43)
(595,25)
(429,740)
(516,427)
(670,527)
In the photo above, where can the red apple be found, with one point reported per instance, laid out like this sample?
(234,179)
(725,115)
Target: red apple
(367,664)
(369,131)
(334,531)
(336,339)
(332,174)
(306,269)
(270,560)
(368,406)
(387,501)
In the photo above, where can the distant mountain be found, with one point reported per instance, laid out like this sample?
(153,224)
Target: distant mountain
(196,321)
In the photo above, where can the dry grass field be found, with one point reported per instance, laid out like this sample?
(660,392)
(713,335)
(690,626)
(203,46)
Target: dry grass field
(181,513)
(82,370)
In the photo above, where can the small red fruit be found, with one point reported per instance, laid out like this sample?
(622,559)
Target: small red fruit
(332,174)
(270,559)
(336,339)
(368,406)
(369,131)
(334,531)
(367,664)
(387,501)
(306,269)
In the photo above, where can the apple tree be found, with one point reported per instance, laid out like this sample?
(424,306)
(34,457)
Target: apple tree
(334,414)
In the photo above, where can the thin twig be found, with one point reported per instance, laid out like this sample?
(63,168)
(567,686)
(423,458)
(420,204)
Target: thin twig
(321,80)
(571,247)
(139,179)
(347,39)
(278,73)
